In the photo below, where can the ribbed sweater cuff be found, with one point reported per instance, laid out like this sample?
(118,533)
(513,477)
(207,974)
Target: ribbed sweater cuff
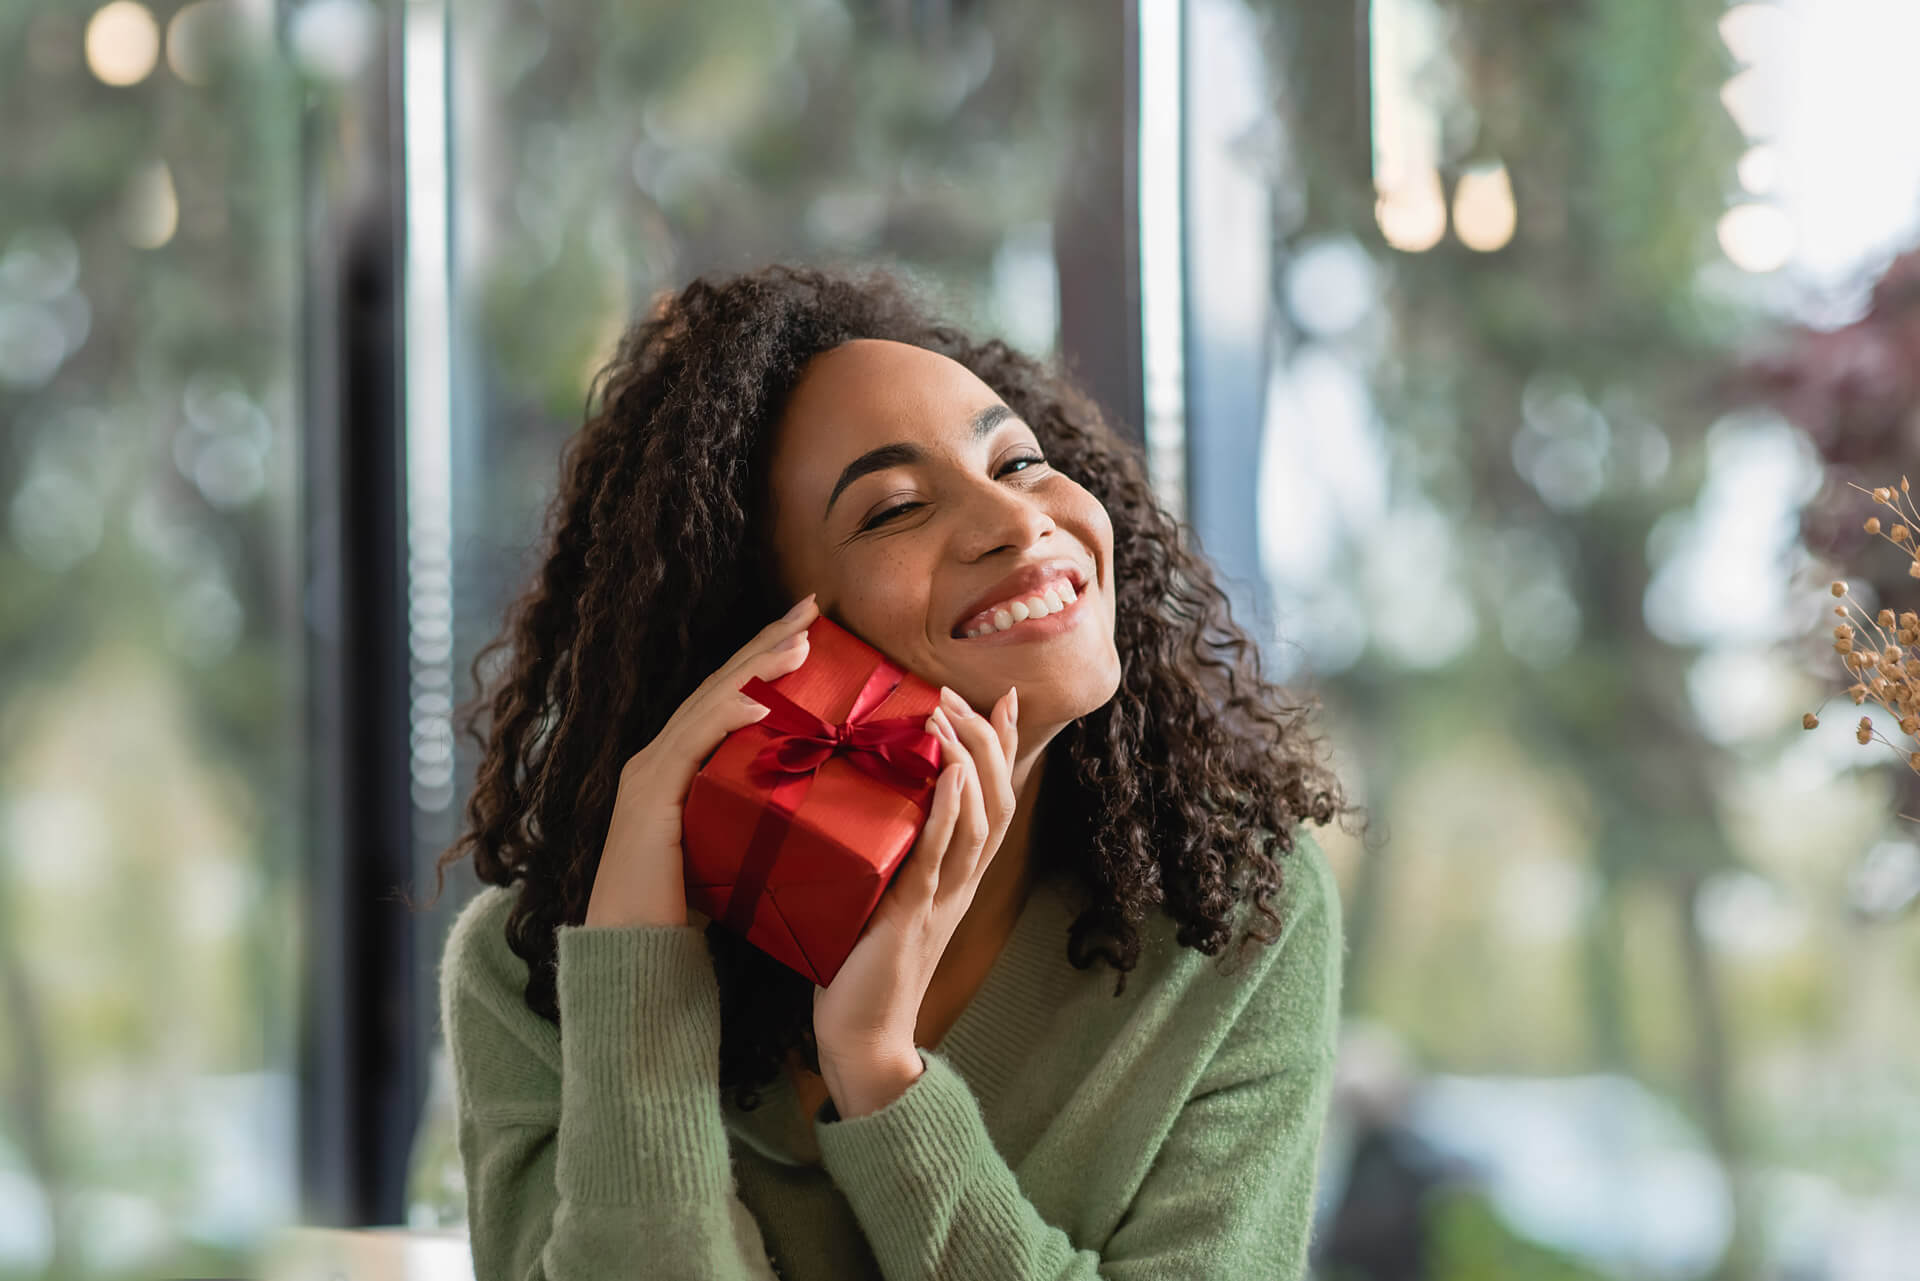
(640,1118)
(904,1168)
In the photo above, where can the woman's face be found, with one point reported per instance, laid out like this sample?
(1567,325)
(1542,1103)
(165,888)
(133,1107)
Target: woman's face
(921,509)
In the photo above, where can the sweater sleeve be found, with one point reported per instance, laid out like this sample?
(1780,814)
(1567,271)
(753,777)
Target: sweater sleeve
(1229,1194)
(617,1164)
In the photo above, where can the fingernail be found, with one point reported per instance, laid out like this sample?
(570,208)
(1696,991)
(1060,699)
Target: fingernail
(952,700)
(800,607)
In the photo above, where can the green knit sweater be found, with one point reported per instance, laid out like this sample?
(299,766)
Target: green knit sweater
(1058,1131)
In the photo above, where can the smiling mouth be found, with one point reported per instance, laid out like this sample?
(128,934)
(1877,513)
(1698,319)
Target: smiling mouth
(1054,596)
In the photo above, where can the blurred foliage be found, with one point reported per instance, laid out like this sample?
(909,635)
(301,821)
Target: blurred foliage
(1470,1242)
(1594,338)
(149,616)
(1594,314)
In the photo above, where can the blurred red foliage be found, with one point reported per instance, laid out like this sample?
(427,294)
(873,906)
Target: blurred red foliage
(1855,392)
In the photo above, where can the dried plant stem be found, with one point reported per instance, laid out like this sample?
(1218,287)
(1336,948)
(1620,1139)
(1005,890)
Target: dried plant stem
(1888,673)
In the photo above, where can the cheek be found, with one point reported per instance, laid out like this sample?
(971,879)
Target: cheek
(1099,527)
(884,597)
(1089,515)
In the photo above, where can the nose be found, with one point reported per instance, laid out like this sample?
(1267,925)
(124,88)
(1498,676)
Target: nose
(996,517)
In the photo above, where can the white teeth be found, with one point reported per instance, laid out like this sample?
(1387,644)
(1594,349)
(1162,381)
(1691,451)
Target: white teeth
(1056,597)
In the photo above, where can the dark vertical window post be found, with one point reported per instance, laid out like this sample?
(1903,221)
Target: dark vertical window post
(360,1073)
(1096,241)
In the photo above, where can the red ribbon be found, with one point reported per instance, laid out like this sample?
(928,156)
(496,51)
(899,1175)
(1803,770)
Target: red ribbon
(898,752)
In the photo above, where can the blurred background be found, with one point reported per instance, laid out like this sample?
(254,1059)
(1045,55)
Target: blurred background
(1510,359)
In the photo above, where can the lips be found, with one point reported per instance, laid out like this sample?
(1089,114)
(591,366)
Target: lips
(1026,581)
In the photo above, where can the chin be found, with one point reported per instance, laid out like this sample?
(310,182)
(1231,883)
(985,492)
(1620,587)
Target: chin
(1100,691)
(1058,697)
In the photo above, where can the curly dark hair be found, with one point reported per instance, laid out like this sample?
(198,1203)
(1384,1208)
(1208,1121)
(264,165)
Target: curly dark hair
(1180,793)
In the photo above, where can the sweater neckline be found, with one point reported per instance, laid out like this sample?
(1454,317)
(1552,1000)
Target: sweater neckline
(986,1044)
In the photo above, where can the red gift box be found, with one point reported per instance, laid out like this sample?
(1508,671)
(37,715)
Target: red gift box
(795,825)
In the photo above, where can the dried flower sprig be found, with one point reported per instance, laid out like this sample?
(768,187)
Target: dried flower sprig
(1887,672)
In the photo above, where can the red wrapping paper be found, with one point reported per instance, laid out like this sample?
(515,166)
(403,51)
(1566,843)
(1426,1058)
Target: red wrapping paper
(795,825)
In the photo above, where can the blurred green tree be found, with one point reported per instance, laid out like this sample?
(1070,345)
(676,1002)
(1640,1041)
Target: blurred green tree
(1588,338)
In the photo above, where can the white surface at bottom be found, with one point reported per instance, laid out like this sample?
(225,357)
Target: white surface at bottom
(369,1254)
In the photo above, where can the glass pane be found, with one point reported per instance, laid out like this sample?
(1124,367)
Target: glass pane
(602,154)
(152,700)
(1517,522)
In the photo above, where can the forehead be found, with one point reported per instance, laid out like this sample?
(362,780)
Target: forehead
(873,391)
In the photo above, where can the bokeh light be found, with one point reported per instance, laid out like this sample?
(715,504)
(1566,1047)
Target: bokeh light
(1757,238)
(151,213)
(1752,32)
(1484,216)
(1331,286)
(1759,170)
(123,43)
(1752,107)
(332,39)
(1413,217)
(193,37)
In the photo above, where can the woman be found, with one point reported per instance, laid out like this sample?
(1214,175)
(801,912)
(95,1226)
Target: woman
(640,1093)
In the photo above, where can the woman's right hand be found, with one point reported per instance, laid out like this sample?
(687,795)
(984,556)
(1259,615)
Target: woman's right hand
(640,880)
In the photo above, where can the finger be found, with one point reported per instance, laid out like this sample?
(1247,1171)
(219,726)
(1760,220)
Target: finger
(798,618)
(935,835)
(780,631)
(778,634)
(970,829)
(770,666)
(983,742)
(718,711)
(1006,722)
(952,750)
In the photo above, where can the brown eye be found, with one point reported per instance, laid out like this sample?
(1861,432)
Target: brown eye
(881,518)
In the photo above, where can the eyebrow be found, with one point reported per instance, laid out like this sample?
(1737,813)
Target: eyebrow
(901,454)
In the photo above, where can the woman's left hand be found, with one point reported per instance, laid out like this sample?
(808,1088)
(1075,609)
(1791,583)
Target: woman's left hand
(863,1022)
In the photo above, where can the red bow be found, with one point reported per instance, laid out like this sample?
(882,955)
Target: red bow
(898,751)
